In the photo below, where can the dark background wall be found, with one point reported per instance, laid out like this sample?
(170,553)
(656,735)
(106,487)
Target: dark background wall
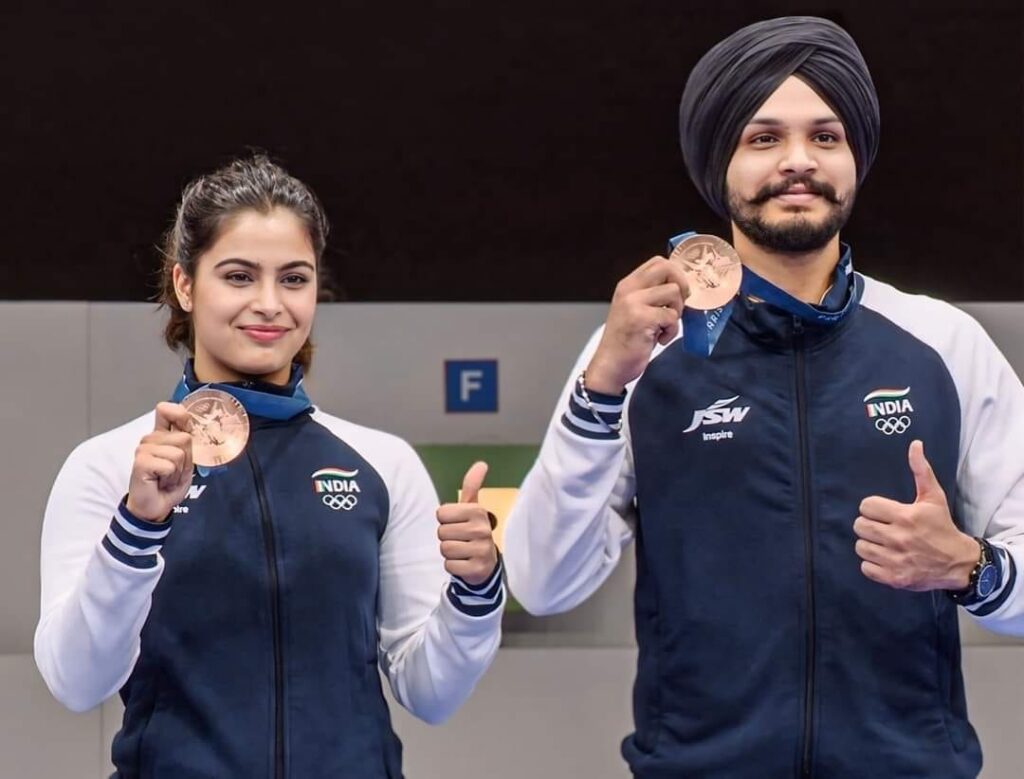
(478,150)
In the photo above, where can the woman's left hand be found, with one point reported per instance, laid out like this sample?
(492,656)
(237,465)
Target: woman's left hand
(465,532)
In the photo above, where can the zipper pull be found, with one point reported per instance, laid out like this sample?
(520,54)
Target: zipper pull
(798,326)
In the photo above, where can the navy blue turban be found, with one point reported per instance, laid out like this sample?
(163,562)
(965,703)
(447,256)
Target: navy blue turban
(735,77)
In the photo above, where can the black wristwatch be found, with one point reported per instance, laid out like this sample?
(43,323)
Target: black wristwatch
(984,578)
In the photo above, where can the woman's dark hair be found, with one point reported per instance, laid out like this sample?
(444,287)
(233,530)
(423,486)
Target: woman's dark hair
(207,204)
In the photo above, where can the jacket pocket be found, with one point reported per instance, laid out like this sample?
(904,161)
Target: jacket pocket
(145,753)
(647,689)
(952,700)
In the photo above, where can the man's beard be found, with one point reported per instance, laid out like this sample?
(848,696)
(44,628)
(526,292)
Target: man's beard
(794,235)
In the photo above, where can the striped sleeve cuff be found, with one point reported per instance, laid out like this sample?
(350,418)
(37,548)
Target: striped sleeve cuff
(1007,578)
(133,541)
(478,600)
(584,422)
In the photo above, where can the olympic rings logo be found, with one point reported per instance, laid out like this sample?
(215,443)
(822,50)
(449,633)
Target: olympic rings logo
(338,502)
(893,425)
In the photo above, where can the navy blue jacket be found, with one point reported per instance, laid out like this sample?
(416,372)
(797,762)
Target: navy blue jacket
(764,651)
(245,633)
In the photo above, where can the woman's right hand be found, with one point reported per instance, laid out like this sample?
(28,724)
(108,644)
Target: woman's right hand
(162,471)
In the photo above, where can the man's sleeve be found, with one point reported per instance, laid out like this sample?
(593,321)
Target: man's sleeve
(574,512)
(990,477)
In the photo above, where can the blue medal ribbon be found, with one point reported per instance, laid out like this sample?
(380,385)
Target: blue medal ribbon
(271,405)
(702,329)
(290,402)
(835,306)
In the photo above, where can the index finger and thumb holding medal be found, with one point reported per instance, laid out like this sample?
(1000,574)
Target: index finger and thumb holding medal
(704,273)
(216,428)
(711,268)
(219,425)
(172,416)
(676,275)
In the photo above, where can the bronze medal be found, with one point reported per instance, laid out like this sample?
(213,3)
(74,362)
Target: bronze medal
(712,268)
(220,426)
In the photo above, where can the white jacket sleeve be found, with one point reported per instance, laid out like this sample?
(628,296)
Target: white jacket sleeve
(437,634)
(574,512)
(990,477)
(990,471)
(99,566)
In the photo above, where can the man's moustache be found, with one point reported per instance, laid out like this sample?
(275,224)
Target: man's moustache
(811,186)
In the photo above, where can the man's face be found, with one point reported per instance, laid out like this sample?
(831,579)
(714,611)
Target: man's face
(792,179)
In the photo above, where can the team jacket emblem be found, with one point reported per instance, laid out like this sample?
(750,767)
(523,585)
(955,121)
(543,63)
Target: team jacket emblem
(337,488)
(890,410)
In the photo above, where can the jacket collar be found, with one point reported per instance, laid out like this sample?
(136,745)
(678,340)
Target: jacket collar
(259,398)
(771,315)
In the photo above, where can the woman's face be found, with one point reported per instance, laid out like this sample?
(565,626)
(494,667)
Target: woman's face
(252,297)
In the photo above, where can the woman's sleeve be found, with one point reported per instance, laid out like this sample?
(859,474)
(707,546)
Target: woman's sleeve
(99,566)
(437,634)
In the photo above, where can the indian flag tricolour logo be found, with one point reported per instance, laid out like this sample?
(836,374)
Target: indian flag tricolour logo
(886,402)
(334,480)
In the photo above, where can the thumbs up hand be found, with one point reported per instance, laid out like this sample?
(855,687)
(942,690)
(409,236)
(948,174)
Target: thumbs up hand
(467,544)
(914,546)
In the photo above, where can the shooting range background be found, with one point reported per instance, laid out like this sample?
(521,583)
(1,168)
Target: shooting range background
(556,702)
(523,153)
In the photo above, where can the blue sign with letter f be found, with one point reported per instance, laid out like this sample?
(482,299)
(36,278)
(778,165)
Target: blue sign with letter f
(471,385)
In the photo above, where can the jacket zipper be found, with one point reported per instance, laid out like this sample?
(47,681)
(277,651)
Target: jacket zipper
(805,483)
(275,615)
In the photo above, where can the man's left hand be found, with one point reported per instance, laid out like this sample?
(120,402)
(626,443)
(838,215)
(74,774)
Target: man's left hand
(914,546)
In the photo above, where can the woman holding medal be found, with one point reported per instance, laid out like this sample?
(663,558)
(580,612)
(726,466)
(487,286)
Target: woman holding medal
(242,607)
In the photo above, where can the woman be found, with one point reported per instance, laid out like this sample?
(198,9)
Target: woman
(242,610)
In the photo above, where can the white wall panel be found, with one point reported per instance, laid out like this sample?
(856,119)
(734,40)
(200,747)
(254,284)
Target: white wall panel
(43,402)
(39,738)
(130,367)
(540,712)
(382,365)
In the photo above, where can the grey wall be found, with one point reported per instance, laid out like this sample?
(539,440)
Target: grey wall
(556,701)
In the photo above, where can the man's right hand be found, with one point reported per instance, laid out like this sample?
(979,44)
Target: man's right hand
(162,471)
(645,311)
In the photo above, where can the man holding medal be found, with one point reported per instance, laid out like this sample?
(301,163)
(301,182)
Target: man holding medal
(818,470)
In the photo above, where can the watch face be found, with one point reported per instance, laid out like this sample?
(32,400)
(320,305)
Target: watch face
(987,581)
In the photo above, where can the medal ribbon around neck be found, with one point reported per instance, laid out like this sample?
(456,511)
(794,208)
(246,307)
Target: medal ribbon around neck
(702,329)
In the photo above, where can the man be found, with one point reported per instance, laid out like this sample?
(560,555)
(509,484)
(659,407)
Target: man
(815,476)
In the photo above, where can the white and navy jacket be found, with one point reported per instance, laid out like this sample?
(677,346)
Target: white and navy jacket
(245,633)
(763,649)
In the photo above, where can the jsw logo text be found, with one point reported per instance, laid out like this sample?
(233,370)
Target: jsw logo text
(721,412)
(194,491)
